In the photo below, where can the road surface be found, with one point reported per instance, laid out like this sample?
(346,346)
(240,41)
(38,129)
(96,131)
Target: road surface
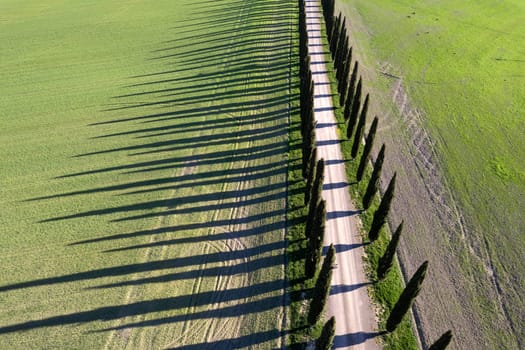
(356,325)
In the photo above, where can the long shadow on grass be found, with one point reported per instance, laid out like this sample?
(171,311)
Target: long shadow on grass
(207,133)
(109,313)
(245,341)
(159,265)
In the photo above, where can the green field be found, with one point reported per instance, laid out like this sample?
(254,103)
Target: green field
(461,65)
(144,173)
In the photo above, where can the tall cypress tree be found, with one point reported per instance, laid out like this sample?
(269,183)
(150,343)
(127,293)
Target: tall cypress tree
(351,91)
(315,194)
(336,24)
(343,83)
(369,143)
(442,342)
(308,146)
(310,175)
(315,240)
(340,58)
(371,189)
(322,287)
(311,165)
(360,126)
(382,211)
(340,40)
(318,224)
(307,100)
(387,260)
(329,13)
(326,339)
(330,28)
(335,35)
(303,32)
(356,103)
(311,262)
(303,72)
(407,297)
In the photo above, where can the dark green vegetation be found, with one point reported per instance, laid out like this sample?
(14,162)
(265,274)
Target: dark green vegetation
(144,173)
(326,339)
(321,288)
(447,80)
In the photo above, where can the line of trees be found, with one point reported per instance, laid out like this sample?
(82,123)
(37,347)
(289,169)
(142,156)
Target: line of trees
(313,173)
(306,94)
(350,88)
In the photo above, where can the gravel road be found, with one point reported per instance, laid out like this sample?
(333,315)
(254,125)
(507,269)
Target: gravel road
(355,319)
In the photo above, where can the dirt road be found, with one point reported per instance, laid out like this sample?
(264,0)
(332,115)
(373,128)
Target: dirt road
(348,301)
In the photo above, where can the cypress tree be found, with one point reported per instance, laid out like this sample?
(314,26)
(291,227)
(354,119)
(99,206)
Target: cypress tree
(360,126)
(351,91)
(316,233)
(329,29)
(340,40)
(317,187)
(311,262)
(315,194)
(315,240)
(356,103)
(335,36)
(304,67)
(340,55)
(442,342)
(382,211)
(343,83)
(369,143)
(328,12)
(309,116)
(386,261)
(303,33)
(322,287)
(307,88)
(335,28)
(312,169)
(308,146)
(326,339)
(407,297)
(371,189)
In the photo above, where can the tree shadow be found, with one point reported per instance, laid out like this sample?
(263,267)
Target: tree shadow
(341,214)
(342,341)
(109,313)
(246,341)
(339,248)
(344,288)
(213,115)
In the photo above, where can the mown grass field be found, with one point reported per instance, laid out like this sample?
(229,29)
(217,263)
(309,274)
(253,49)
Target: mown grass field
(144,173)
(461,66)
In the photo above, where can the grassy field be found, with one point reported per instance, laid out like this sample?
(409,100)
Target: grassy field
(455,69)
(144,173)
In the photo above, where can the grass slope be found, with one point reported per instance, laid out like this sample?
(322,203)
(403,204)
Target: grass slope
(143,173)
(461,64)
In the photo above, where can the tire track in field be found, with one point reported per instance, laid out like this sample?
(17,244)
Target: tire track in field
(235,272)
(450,218)
(149,254)
(223,281)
